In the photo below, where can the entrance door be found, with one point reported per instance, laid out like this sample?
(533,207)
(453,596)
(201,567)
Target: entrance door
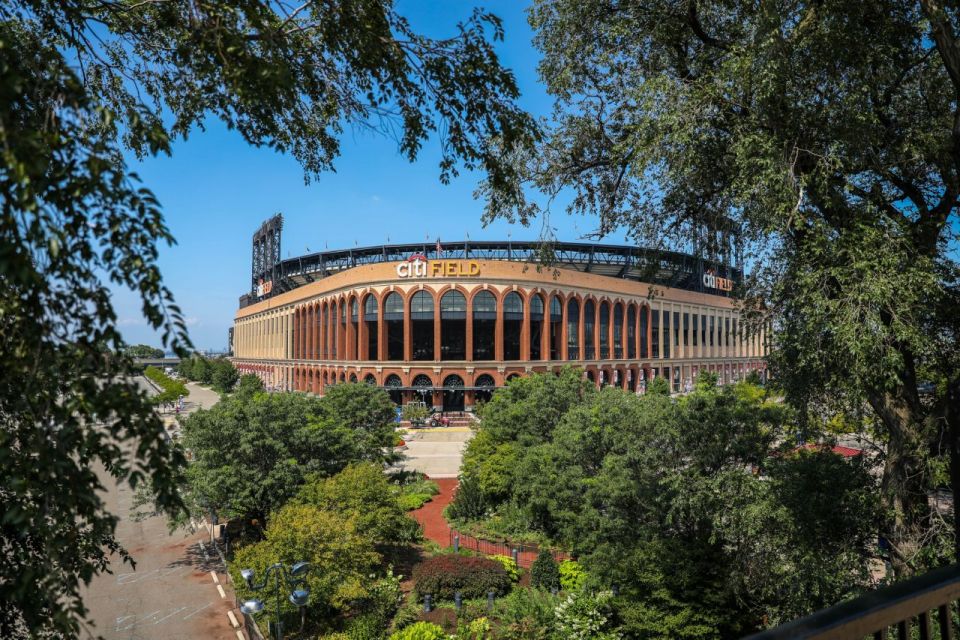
(453,393)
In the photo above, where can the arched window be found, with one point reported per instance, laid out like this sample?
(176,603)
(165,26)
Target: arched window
(353,378)
(342,334)
(421,321)
(325,337)
(556,328)
(536,326)
(373,333)
(618,332)
(392,384)
(331,333)
(423,387)
(512,325)
(589,322)
(371,379)
(485,380)
(453,326)
(354,319)
(632,332)
(644,320)
(393,381)
(604,330)
(573,330)
(484,326)
(393,319)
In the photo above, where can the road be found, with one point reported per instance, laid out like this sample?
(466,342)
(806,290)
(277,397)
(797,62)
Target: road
(171,594)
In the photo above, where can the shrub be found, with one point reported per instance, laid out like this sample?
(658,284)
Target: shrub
(420,631)
(473,577)
(411,501)
(509,566)
(572,575)
(468,503)
(544,572)
(527,613)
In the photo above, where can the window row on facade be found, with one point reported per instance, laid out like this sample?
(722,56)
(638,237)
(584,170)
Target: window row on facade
(457,325)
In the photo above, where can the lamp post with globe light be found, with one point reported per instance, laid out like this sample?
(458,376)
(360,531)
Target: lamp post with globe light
(293,578)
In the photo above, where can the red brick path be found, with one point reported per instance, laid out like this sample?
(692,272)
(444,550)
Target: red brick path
(430,515)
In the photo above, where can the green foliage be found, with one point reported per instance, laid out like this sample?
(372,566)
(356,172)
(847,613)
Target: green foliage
(658,386)
(443,575)
(476,629)
(224,375)
(83,83)
(571,575)
(342,559)
(143,351)
(586,616)
(249,383)
(252,453)
(820,138)
(170,390)
(415,413)
(218,373)
(414,489)
(509,566)
(362,492)
(468,501)
(544,572)
(420,631)
(526,614)
(654,494)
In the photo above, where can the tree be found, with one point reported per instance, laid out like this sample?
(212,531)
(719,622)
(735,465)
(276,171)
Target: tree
(544,572)
(90,78)
(658,386)
(341,556)
(143,351)
(223,375)
(364,411)
(249,384)
(824,137)
(362,492)
(252,453)
(655,495)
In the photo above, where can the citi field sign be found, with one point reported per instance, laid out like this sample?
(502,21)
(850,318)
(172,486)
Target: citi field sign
(712,281)
(417,266)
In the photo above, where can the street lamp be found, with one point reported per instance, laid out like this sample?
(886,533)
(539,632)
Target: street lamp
(293,578)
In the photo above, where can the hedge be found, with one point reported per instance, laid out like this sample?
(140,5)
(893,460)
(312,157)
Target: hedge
(170,389)
(443,575)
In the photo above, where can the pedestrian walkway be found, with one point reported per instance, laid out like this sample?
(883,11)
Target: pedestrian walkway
(430,515)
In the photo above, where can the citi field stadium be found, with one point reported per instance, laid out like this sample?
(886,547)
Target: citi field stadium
(447,323)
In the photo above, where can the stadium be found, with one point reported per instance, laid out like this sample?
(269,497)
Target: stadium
(446,323)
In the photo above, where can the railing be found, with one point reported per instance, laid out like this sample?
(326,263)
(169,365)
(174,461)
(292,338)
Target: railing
(919,601)
(525,553)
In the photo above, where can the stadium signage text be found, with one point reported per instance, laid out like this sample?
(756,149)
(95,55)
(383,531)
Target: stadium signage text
(713,281)
(417,266)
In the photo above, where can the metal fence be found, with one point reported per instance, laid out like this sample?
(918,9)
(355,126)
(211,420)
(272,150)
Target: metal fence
(524,554)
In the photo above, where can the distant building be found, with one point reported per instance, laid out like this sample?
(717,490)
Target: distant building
(448,323)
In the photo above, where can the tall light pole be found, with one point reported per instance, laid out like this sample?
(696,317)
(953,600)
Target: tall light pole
(293,578)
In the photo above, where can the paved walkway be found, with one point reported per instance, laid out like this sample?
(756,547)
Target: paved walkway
(430,515)
(172,593)
(436,452)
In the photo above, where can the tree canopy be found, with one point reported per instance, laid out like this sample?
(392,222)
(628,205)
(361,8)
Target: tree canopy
(252,452)
(822,136)
(695,507)
(81,83)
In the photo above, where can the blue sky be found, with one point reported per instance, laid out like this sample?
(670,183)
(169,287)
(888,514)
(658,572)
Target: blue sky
(216,190)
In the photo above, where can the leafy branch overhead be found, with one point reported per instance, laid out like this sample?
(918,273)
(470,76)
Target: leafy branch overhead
(292,77)
(81,83)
